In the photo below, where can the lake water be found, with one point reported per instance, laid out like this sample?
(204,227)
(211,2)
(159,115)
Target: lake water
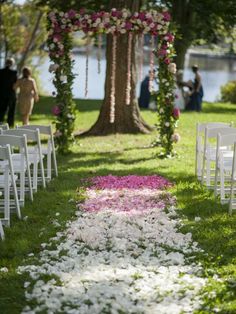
(215,72)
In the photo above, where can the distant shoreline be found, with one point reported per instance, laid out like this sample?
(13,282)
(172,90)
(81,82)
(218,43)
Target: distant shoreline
(212,55)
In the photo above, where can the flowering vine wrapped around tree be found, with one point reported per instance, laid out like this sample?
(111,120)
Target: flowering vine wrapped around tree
(115,22)
(167,113)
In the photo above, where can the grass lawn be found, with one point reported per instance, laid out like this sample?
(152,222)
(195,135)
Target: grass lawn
(122,155)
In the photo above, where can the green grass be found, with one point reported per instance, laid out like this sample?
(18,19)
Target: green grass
(122,155)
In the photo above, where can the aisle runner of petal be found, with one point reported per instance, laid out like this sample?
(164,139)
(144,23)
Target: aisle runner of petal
(123,254)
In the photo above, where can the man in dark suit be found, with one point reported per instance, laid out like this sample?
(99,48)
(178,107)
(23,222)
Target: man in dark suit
(8,78)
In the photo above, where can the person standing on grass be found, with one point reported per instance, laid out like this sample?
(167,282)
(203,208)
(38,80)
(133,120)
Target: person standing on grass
(8,78)
(28,94)
(196,95)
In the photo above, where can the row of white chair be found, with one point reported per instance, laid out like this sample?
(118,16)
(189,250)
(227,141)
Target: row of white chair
(214,166)
(21,154)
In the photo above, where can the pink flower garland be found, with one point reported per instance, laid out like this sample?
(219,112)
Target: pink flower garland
(151,75)
(113,78)
(129,69)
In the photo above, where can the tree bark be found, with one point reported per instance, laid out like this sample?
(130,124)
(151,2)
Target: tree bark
(184,16)
(127,117)
(181,50)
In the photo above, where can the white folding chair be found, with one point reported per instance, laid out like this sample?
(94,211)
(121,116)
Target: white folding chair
(48,150)
(200,135)
(224,160)
(232,201)
(20,162)
(8,181)
(35,153)
(209,154)
(4,126)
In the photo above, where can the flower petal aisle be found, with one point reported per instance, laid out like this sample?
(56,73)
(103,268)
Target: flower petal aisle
(122,254)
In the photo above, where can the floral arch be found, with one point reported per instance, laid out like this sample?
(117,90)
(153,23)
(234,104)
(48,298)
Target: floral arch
(115,22)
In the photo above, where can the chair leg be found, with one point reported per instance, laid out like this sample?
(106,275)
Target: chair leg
(35,176)
(222,186)
(22,188)
(216,182)
(42,172)
(55,162)
(29,183)
(203,169)
(54,156)
(7,200)
(49,166)
(208,172)
(16,197)
(2,235)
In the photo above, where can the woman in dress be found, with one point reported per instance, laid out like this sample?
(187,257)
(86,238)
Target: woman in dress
(195,101)
(27,94)
(179,93)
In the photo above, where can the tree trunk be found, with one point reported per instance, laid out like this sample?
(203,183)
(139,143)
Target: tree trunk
(184,16)
(127,117)
(181,50)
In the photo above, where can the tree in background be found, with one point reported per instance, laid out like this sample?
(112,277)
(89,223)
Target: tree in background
(23,32)
(199,20)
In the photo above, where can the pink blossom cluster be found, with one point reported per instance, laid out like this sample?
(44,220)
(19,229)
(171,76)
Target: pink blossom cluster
(176,113)
(114,22)
(126,200)
(56,110)
(164,51)
(129,182)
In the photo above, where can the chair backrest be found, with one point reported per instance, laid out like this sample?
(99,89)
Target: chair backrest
(213,132)
(226,139)
(5,152)
(15,141)
(202,126)
(43,129)
(31,135)
(203,131)
(5,155)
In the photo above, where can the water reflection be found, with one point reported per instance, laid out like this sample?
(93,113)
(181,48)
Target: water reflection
(215,73)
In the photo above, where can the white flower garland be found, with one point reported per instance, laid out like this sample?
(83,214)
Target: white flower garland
(113,79)
(129,68)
